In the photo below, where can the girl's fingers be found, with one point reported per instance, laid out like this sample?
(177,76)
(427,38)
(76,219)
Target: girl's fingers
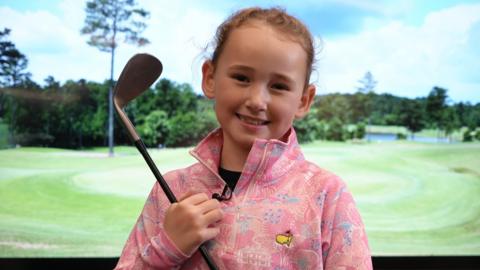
(209,205)
(187,194)
(195,199)
(199,207)
(213,216)
(210,233)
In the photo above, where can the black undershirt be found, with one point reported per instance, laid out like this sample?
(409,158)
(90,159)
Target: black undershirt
(230,177)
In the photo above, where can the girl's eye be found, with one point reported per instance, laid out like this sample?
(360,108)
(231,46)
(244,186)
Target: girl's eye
(280,86)
(241,78)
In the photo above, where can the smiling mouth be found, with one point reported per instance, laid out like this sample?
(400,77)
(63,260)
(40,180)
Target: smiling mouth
(252,121)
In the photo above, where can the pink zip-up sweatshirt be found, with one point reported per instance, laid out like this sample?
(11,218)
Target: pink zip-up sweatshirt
(285,213)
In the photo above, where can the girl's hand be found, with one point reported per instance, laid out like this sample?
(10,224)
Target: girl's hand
(189,222)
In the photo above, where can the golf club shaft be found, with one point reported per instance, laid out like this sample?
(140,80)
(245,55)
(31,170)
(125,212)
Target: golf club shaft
(163,184)
(168,192)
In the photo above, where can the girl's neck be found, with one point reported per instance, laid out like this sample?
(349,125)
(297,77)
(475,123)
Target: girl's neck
(233,158)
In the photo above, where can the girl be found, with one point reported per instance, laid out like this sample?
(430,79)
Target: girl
(277,210)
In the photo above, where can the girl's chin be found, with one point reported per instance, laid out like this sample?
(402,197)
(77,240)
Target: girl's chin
(249,140)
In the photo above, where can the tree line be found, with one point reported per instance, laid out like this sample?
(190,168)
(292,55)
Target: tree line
(75,114)
(342,117)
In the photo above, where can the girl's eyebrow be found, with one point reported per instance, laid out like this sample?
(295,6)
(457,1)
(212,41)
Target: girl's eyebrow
(241,67)
(280,76)
(284,77)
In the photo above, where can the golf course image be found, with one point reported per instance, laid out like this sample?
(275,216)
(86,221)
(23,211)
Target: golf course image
(415,198)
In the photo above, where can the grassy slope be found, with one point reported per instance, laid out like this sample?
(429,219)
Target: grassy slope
(414,198)
(64,203)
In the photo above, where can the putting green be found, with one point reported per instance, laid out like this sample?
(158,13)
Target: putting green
(415,199)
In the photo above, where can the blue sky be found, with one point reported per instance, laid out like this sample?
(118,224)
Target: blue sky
(409,46)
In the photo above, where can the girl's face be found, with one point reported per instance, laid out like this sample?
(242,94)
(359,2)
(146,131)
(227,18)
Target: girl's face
(258,85)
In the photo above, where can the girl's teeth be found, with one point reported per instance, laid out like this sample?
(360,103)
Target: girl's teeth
(253,122)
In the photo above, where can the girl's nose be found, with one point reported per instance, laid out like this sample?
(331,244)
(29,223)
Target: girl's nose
(257,98)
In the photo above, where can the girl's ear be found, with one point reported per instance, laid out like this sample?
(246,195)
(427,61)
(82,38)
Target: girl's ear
(306,101)
(208,82)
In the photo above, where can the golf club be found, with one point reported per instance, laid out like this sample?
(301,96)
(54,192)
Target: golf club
(140,72)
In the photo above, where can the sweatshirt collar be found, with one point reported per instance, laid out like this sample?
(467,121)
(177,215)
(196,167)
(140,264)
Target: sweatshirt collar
(266,162)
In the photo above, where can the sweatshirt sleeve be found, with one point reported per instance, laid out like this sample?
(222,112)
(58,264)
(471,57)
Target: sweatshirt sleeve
(148,246)
(344,243)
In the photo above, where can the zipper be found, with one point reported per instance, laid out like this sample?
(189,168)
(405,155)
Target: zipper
(230,241)
(208,167)
(261,168)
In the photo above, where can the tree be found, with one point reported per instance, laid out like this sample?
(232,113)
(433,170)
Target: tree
(333,106)
(336,130)
(23,113)
(155,128)
(167,96)
(468,114)
(368,83)
(106,22)
(363,99)
(450,122)
(385,110)
(12,62)
(435,106)
(186,129)
(12,68)
(412,115)
(174,98)
(361,105)
(360,130)
(308,128)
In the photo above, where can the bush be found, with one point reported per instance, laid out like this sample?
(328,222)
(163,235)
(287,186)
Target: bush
(468,135)
(360,130)
(309,128)
(154,129)
(401,136)
(34,139)
(189,128)
(477,135)
(336,130)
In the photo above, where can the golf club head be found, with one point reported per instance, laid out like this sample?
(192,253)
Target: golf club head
(140,72)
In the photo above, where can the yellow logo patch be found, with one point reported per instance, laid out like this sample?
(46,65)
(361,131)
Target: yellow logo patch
(284,238)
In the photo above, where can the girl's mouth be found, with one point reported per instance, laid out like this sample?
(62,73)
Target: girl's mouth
(252,121)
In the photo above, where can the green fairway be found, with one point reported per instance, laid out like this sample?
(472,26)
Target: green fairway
(415,199)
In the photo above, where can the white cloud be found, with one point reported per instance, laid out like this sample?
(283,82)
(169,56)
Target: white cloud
(406,60)
(54,46)
(32,30)
(178,33)
(409,60)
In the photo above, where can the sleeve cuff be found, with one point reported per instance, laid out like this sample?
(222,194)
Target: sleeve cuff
(165,246)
